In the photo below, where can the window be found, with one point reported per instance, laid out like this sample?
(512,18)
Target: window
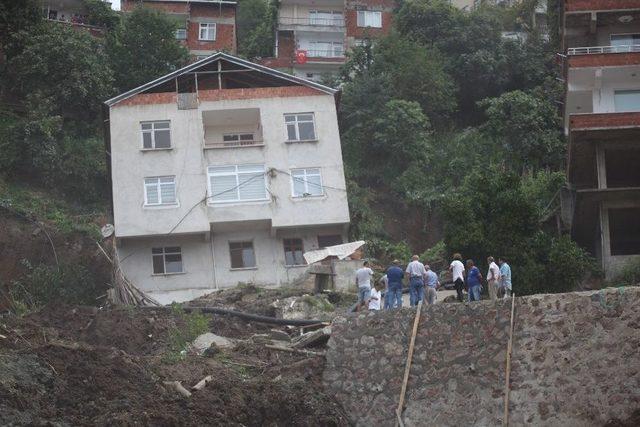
(321,17)
(627,100)
(207,31)
(300,127)
(237,183)
(167,260)
(181,34)
(160,190)
(625,39)
(329,240)
(368,18)
(242,255)
(156,135)
(306,182)
(293,252)
(325,49)
(624,231)
(235,139)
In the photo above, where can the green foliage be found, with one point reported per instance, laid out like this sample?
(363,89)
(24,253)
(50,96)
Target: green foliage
(101,14)
(143,47)
(16,16)
(255,22)
(436,256)
(527,128)
(385,251)
(629,275)
(191,325)
(44,284)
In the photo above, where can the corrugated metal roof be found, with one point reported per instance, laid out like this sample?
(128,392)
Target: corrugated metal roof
(339,251)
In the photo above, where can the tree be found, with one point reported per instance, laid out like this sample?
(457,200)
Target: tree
(143,47)
(255,21)
(526,128)
(16,16)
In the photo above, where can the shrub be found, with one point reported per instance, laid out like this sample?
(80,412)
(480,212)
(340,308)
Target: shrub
(630,274)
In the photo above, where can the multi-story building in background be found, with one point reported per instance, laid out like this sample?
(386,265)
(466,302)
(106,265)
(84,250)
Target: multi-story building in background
(70,12)
(224,172)
(312,37)
(204,26)
(602,122)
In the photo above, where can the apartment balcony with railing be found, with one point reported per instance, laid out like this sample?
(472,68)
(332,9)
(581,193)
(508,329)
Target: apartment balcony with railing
(313,23)
(236,128)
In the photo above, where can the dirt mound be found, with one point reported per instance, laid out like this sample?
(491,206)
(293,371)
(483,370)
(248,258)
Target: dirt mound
(83,366)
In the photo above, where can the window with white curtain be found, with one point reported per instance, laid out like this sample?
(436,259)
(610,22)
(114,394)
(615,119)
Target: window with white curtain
(207,31)
(300,127)
(160,190)
(369,18)
(237,183)
(306,182)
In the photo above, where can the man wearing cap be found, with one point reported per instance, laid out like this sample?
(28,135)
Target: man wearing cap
(393,297)
(415,273)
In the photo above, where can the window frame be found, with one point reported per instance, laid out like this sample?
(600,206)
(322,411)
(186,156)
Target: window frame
(253,248)
(617,92)
(164,260)
(181,31)
(152,132)
(306,183)
(328,236)
(363,23)
(239,141)
(297,127)
(210,194)
(208,26)
(284,247)
(159,190)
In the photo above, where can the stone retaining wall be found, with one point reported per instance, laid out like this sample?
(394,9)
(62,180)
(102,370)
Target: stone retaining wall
(576,361)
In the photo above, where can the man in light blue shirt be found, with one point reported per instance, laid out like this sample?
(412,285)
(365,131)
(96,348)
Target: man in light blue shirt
(431,279)
(505,277)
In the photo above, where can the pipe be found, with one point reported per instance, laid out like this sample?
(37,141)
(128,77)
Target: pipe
(248,316)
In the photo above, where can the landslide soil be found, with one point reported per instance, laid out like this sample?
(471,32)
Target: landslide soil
(83,366)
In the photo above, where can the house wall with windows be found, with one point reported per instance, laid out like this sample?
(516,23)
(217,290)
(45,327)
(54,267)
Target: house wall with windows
(204,27)
(232,189)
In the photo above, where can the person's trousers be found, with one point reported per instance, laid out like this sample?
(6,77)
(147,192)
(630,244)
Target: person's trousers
(474,293)
(393,299)
(493,289)
(459,284)
(364,293)
(416,290)
(430,295)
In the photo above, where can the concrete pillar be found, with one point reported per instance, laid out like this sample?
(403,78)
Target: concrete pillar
(601,168)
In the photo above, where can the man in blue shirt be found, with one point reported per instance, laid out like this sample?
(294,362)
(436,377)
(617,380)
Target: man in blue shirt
(474,278)
(505,277)
(393,298)
(432,282)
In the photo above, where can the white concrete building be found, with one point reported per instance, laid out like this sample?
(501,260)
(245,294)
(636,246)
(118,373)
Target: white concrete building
(224,172)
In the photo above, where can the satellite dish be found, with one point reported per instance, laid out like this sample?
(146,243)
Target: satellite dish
(107,230)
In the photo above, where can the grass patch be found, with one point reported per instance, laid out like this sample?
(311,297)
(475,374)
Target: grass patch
(195,324)
(318,302)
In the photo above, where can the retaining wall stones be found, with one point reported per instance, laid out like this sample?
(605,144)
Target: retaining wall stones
(576,361)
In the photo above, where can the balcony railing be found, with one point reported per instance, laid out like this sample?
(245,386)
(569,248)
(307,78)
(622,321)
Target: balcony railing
(321,22)
(603,49)
(328,53)
(231,144)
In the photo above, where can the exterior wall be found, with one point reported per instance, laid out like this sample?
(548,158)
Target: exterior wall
(207,263)
(613,264)
(224,15)
(573,362)
(594,5)
(355,32)
(188,161)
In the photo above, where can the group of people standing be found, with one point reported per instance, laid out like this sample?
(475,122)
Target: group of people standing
(424,282)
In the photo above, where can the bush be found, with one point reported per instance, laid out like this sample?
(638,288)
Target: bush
(195,324)
(436,256)
(630,274)
(45,284)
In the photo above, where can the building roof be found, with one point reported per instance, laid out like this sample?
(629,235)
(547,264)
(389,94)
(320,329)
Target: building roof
(231,59)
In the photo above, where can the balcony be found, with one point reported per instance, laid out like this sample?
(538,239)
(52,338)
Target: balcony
(238,128)
(577,6)
(312,24)
(604,121)
(603,56)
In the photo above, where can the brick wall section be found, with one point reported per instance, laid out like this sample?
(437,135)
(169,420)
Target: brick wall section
(604,60)
(574,362)
(177,7)
(351,19)
(212,10)
(589,5)
(225,38)
(603,121)
(225,94)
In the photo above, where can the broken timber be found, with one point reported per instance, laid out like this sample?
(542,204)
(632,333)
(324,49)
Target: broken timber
(407,368)
(507,386)
(311,338)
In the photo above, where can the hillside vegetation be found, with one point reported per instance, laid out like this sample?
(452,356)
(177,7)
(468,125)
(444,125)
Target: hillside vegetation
(451,134)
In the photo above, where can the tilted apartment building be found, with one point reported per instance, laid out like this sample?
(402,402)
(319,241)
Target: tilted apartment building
(228,179)
(602,121)
(312,37)
(204,26)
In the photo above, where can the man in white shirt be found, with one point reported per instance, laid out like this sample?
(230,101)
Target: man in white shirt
(457,271)
(493,278)
(363,281)
(416,273)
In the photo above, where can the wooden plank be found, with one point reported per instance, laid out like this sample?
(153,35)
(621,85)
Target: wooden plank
(507,386)
(407,367)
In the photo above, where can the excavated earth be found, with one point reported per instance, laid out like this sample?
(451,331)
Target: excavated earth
(84,366)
